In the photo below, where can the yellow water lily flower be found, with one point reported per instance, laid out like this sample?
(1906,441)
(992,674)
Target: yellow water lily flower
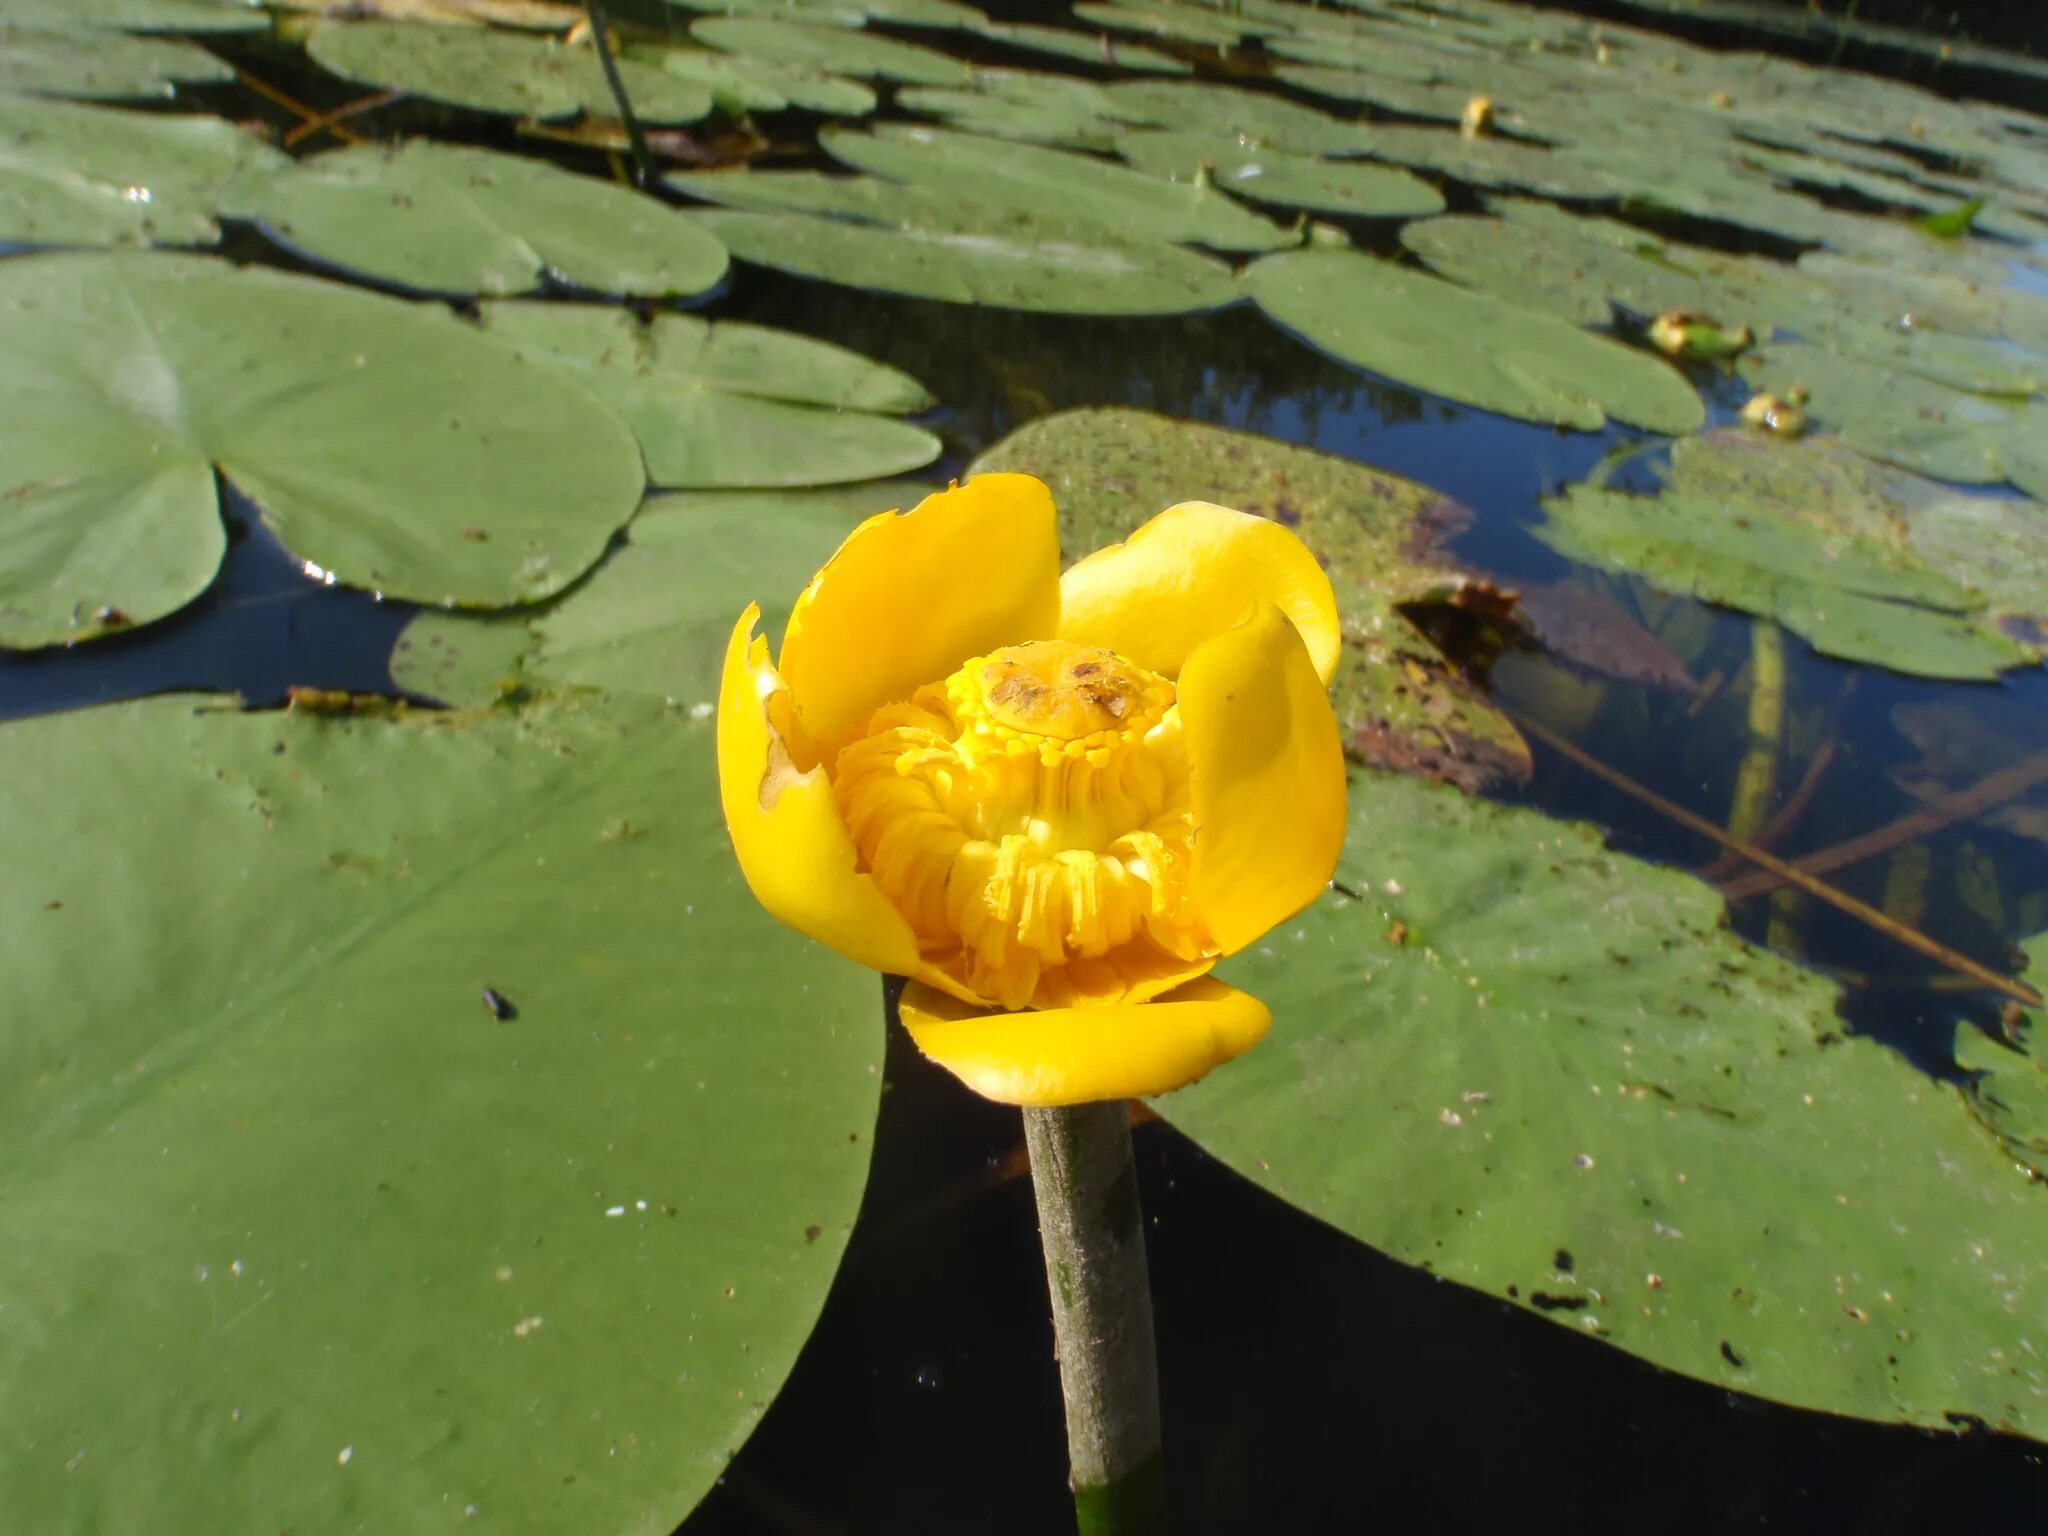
(1052,802)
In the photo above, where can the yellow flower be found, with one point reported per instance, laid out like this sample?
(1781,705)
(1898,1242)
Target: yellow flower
(1053,802)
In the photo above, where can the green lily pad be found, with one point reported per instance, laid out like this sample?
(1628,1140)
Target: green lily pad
(1912,421)
(106,65)
(72,174)
(1380,537)
(651,623)
(511,73)
(837,50)
(389,446)
(723,404)
(741,84)
(1021,104)
(362,1247)
(2009,1093)
(443,218)
(1267,175)
(1865,563)
(1443,100)
(1429,334)
(139,15)
(1492,162)
(1033,180)
(1549,1072)
(1087,47)
(1163,18)
(829,13)
(1199,106)
(1052,274)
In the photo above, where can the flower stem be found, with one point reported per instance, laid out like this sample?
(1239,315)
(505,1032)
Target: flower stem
(1094,1237)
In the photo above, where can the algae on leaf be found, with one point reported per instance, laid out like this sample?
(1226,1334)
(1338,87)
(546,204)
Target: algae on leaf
(1549,1072)
(389,446)
(444,218)
(722,404)
(1863,562)
(1400,701)
(1429,334)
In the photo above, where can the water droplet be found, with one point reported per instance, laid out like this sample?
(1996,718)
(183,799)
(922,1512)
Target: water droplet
(348,1454)
(1581,1160)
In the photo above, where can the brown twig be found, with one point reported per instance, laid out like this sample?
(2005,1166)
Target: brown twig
(298,109)
(1787,873)
(328,122)
(2007,784)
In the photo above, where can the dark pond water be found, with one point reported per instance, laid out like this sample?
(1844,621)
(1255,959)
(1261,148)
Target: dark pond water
(1311,1385)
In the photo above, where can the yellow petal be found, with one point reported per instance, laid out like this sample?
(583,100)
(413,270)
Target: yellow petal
(793,847)
(1266,779)
(912,595)
(1192,572)
(1080,1055)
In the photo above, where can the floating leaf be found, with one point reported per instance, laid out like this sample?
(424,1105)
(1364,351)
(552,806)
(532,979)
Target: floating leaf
(139,15)
(1033,180)
(1161,18)
(79,175)
(1199,106)
(755,85)
(1426,333)
(60,62)
(839,50)
(1088,47)
(1911,421)
(2009,1091)
(1055,274)
(1401,703)
(1491,162)
(1010,104)
(1866,563)
(511,73)
(721,403)
(442,218)
(1275,176)
(407,1252)
(388,446)
(1549,1072)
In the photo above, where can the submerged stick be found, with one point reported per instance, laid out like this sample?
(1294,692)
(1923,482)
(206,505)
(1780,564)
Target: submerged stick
(1094,1239)
(643,162)
(1790,874)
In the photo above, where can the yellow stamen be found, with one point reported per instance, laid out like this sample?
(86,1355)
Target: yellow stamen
(1029,816)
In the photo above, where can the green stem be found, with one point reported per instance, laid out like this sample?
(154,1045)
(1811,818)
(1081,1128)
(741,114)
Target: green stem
(643,162)
(1094,1238)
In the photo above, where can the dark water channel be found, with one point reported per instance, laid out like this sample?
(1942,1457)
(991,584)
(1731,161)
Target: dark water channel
(1311,1385)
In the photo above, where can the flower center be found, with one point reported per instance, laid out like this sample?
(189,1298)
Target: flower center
(1029,816)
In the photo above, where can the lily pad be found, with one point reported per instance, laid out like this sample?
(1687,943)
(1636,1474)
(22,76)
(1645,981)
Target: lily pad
(389,446)
(1402,704)
(139,15)
(2008,1091)
(1200,106)
(1033,180)
(1912,421)
(442,218)
(837,50)
(1164,18)
(1492,162)
(1055,273)
(1429,334)
(1020,104)
(1275,176)
(1087,47)
(1549,1072)
(1865,563)
(547,1261)
(511,73)
(651,622)
(721,403)
(108,66)
(72,174)
(742,84)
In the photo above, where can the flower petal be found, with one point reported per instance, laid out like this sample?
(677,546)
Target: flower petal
(912,595)
(1266,779)
(792,844)
(1080,1055)
(1194,571)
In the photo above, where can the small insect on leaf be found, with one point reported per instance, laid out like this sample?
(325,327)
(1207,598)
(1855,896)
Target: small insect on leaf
(500,1005)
